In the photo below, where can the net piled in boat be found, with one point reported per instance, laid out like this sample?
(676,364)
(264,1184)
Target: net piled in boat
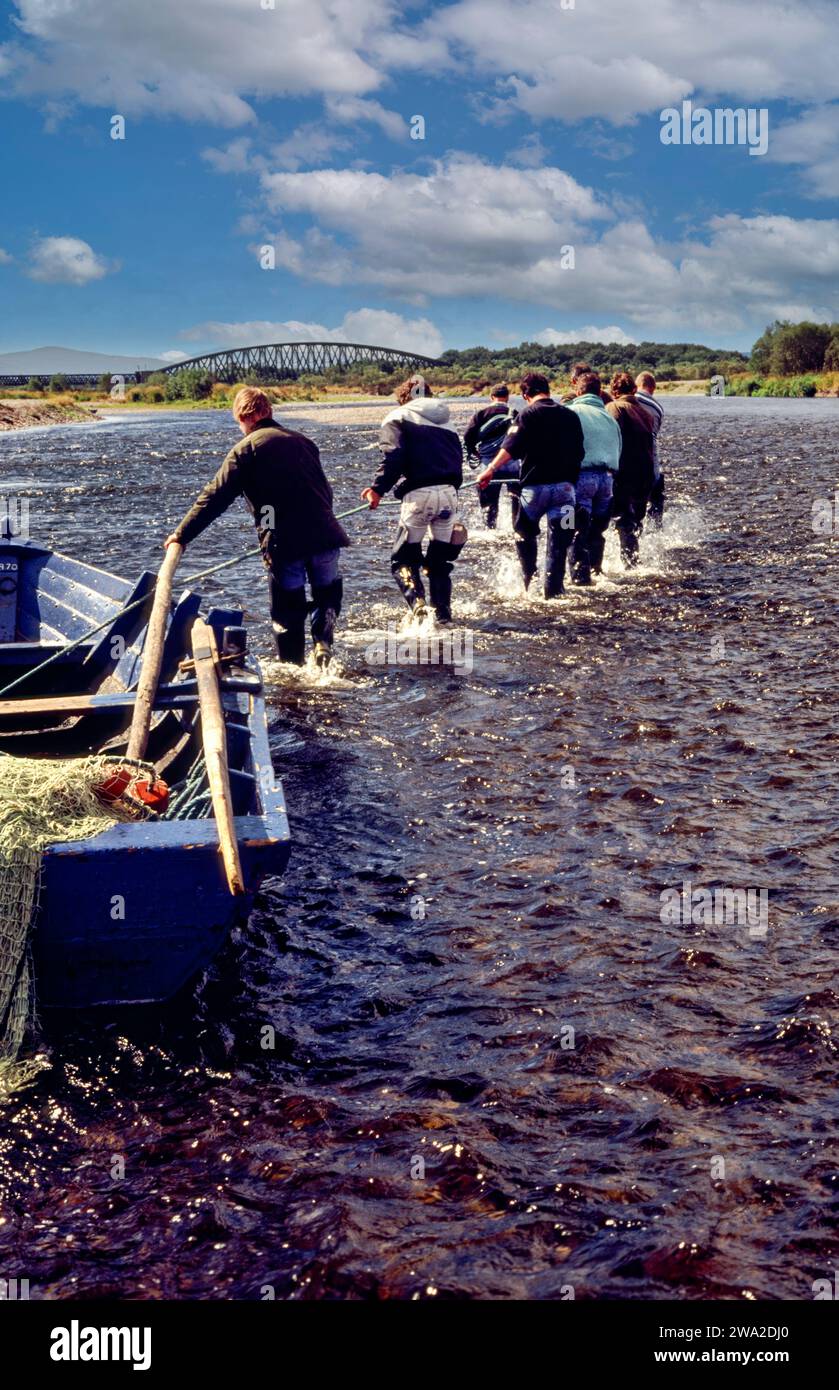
(41,803)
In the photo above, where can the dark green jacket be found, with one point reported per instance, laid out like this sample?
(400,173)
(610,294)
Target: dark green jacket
(279,474)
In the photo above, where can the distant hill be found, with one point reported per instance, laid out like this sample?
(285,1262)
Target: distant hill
(40,361)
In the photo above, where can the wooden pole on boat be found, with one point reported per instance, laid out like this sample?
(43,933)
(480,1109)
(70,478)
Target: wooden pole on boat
(214,738)
(153,654)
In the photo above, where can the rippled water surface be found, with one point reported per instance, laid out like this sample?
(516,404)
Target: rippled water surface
(536,1084)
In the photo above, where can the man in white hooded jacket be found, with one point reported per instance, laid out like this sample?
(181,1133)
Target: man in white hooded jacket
(423,463)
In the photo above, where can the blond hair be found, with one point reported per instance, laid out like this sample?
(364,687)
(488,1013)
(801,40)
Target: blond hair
(251,404)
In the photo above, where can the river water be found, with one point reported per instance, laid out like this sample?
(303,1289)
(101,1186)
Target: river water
(496,1072)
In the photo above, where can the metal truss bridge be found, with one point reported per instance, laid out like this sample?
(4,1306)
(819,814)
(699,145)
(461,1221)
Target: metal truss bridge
(290,360)
(270,361)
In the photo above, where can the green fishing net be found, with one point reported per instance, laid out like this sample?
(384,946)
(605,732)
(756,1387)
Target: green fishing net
(41,803)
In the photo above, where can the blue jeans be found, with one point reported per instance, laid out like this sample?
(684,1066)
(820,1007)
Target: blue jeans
(594,492)
(554,500)
(289,605)
(321,569)
(489,498)
(593,510)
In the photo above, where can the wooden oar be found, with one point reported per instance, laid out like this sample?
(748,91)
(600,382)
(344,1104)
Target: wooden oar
(167,697)
(213,734)
(153,654)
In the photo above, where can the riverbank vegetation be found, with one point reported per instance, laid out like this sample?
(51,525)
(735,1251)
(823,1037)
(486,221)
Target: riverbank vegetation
(796,349)
(791,360)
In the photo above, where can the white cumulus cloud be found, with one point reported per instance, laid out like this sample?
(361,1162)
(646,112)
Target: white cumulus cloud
(468,228)
(615,59)
(811,141)
(445,232)
(619,59)
(66,260)
(552,337)
(202,61)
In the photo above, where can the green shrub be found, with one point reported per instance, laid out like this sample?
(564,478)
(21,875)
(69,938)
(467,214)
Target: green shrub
(782,387)
(35,384)
(59,383)
(743,386)
(191,384)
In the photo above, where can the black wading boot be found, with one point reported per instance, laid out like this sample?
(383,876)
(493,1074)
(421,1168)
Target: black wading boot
(490,500)
(440,593)
(655,514)
(557,548)
(439,561)
(288,619)
(629,543)
(527,537)
(580,558)
(528,556)
(596,546)
(405,564)
(326,606)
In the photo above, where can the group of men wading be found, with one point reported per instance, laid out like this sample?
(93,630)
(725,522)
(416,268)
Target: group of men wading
(577,464)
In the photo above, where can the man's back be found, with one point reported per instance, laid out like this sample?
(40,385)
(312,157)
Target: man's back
(656,414)
(548,439)
(279,473)
(638,439)
(601,432)
(421,448)
(487,428)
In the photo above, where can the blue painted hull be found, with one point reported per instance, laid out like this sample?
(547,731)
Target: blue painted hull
(134,914)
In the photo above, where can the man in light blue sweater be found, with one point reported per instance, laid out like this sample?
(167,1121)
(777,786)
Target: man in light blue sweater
(602,439)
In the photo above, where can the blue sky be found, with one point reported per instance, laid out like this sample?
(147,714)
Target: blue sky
(248,126)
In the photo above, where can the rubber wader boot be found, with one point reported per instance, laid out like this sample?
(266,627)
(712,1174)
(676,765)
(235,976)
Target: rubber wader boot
(656,508)
(558,539)
(405,564)
(490,500)
(326,606)
(439,562)
(288,619)
(596,546)
(629,542)
(580,558)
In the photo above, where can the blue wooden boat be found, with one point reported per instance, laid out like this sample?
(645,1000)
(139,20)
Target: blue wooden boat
(134,914)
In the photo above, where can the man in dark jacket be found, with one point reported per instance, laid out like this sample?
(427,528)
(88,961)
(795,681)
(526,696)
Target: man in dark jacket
(645,396)
(279,474)
(482,438)
(637,466)
(423,463)
(547,438)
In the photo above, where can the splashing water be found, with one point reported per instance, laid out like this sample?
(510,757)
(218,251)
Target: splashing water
(496,1070)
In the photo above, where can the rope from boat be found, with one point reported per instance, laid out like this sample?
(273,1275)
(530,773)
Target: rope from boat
(191,798)
(138,603)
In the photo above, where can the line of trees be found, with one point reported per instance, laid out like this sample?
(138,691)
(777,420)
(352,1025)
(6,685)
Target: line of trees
(788,349)
(792,351)
(669,361)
